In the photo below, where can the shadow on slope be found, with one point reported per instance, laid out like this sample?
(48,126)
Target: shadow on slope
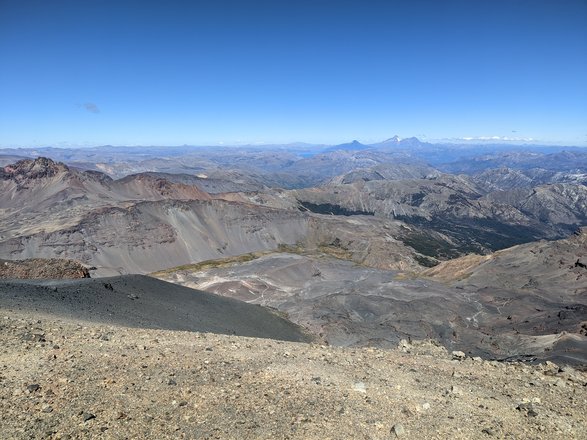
(141,301)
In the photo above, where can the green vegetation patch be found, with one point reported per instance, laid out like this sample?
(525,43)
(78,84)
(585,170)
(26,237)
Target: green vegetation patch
(211,264)
(327,208)
(468,236)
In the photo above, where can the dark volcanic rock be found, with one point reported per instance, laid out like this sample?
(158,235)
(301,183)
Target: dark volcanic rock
(32,169)
(87,416)
(160,305)
(33,387)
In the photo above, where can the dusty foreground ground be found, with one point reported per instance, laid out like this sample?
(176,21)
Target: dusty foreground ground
(60,379)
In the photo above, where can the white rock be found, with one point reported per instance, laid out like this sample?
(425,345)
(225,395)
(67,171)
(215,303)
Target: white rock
(458,355)
(360,387)
(398,430)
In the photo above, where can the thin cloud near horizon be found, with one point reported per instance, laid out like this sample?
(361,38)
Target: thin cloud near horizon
(494,138)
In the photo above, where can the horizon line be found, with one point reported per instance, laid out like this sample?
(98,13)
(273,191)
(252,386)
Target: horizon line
(462,141)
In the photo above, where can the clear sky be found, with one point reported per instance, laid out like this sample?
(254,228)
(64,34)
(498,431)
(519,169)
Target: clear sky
(89,72)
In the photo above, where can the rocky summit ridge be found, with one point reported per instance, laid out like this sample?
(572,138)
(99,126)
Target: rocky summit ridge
(26,169)
(66,379)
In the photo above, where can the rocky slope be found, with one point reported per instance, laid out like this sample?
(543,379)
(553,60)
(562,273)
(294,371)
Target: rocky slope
(544,266)
(217,181)
(49,210)
(43,196)
(68,379)
(503,179)
(365,240)
(143,223)
(140,301)
(526,302)
(346,304)
(150,236)
(467,218)
(42,268)
(136,224)
(536,291)
(552,205)
(388,171)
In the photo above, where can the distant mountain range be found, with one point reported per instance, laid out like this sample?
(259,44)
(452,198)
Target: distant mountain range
(338,239)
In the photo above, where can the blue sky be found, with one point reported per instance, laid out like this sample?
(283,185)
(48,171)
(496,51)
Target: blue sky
(76,73)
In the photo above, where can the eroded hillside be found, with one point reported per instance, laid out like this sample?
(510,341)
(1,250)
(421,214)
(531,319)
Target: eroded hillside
(143,223)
